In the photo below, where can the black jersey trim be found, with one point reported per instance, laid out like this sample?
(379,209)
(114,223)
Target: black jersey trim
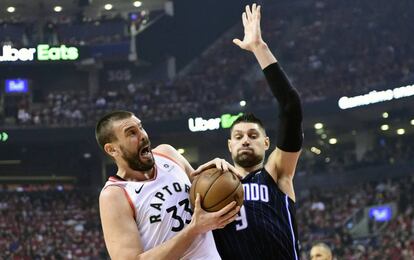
(292,231)
(262,170)
(118,177)
(250,175)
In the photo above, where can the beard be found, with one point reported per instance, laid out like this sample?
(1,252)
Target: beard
(134,161)
(248,160)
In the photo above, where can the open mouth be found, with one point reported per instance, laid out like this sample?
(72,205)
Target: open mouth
(145,151)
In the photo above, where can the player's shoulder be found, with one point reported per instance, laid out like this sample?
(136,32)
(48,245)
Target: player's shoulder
(266,178)
(169,152)
(165,149)
(115,209)
(111,194)
(113,200)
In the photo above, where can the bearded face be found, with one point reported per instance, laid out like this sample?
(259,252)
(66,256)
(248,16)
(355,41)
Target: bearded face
(247,158)
(133,143)
(140,160)
(248,144)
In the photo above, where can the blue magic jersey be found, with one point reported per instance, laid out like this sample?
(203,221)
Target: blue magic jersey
(265,227)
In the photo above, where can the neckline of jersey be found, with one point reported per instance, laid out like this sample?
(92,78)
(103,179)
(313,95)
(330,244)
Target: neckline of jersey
(250,175)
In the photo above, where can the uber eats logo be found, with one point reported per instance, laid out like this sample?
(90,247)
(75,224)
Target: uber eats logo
(43,52)
(200,124)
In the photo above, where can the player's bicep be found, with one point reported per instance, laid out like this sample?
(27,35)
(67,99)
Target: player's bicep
(121,234)
(282,165)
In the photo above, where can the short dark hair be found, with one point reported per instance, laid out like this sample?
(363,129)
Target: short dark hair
(248,118)
(103,129)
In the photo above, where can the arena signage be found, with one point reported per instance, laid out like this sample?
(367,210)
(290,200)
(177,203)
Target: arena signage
(376,97)
(200,124)
(42,52)
(4,137)
(16,86)
(381,213)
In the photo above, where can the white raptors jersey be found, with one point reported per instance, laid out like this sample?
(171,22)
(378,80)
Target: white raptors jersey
(162,208)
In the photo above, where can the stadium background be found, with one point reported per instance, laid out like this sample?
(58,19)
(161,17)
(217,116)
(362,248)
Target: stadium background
(173,62)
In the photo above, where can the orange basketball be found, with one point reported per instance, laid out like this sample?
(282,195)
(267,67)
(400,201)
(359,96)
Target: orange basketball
(217,189)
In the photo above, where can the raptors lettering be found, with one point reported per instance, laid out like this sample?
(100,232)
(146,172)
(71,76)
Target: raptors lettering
(162,195)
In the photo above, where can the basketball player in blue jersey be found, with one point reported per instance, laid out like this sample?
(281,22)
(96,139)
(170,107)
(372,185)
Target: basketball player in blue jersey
(144,208)
(266,226)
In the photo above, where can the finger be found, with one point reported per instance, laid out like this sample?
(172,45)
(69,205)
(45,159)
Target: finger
(259,8)
(198,171)
(205,166)
(201,167)
(195,173)
(235,171)
(197,202)
(254,8)
(218,165)
(227,220)
(248,12)
(237,42)
(244,19)
(232,169)
(226,209)
(232,213)
(231,219)
(225,165)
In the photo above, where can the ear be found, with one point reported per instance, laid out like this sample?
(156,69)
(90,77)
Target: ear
(110,149)
(228,144)
(267,143)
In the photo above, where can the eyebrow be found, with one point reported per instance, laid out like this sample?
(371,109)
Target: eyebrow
(130,127)
(248,130)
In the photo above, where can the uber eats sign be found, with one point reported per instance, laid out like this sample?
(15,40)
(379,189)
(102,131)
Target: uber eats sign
(200,124)
(42,52)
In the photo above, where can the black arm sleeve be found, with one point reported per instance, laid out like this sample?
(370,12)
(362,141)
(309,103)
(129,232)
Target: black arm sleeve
(290,134)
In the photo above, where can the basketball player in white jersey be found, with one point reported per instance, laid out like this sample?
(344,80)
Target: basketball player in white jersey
(144,208)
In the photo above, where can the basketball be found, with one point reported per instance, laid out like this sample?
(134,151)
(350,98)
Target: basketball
(217,189)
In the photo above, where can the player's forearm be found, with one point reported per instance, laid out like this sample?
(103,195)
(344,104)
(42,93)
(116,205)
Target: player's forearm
(173,248)
(263,55)
(290,136)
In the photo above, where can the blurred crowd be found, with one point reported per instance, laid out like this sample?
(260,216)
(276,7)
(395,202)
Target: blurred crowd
(50,224)
(72,30)
(63,223)
(328,49)
(348,47)
(339,158)
(322,217)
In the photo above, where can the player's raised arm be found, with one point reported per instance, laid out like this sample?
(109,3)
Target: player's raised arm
(282,161)
(252,40)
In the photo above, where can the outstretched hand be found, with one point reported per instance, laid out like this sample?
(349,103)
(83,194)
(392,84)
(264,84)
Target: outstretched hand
(218,163)
(252,32)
